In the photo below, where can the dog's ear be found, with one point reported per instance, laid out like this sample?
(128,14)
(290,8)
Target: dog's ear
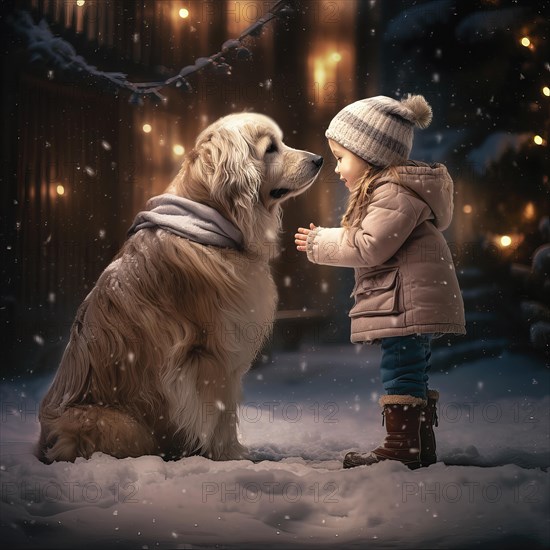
(235,175)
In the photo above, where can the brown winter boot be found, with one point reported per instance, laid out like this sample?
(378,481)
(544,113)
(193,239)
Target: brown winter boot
(428,420)
(402,414)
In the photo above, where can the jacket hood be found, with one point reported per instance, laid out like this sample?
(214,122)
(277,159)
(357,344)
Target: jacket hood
(433,184)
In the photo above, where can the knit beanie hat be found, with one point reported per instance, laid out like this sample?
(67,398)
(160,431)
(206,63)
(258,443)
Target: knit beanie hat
(380,129)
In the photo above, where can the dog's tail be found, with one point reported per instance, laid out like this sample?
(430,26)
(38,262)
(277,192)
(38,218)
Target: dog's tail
(72,379)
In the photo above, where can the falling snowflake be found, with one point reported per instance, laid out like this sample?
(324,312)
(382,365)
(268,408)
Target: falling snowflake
(266,84)
(38,339)
(270,234)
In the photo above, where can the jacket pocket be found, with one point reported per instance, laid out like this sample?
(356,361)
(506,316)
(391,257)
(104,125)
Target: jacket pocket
(376,294)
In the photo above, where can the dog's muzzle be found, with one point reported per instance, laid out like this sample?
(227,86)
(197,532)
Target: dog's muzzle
(280,192)
(318,161)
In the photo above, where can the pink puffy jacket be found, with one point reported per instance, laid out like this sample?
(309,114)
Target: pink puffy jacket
(405,280)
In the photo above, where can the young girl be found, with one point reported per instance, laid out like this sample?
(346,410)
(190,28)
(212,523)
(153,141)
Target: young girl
(406,291)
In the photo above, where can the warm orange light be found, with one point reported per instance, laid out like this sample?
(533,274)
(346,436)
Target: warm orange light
(336,57)
(147,128)
(546,91)
(529,211)
(184,13)
(60,190)
(538,140)
(178,150)
(80,3)
(467,209)
(319,72)
(525,42)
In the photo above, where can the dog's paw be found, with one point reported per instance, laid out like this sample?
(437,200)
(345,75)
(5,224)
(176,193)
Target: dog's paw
(234,452)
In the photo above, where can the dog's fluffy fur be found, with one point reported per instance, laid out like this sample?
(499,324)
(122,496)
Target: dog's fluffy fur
(159,346)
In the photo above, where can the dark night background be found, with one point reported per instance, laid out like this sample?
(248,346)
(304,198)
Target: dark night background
(77,164)
(79,158)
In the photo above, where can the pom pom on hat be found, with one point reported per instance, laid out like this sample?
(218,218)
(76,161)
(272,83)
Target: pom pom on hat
(421,111)
(380,129)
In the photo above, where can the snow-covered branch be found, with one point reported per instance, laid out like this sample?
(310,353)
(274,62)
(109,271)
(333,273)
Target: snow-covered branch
(44,45)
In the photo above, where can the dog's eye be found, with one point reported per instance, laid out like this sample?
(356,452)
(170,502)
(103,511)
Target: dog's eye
(272,148)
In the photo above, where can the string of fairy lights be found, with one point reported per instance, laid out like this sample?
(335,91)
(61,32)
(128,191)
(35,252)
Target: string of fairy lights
(528,213)
(280,7)
(527,39)
(65,52)
(508,242)
(527,42)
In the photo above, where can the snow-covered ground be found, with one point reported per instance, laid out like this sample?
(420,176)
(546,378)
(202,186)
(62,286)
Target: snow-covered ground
(301,412)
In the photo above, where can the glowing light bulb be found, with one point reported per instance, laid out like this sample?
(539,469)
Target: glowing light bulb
(538,140)
(184,13)
(147,128)
(336,57)
(546,91)
(178,150)
(80,3)
(525,42)
(505,241)
(529,211)
(467,209)
(319,72)
(60,190)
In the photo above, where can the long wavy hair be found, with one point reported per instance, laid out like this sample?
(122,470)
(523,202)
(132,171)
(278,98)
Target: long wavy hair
(160,344)
(361,194)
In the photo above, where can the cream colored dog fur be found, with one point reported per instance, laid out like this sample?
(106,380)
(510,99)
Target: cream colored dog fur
(159,346)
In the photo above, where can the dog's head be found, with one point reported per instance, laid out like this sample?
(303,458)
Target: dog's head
(241,166)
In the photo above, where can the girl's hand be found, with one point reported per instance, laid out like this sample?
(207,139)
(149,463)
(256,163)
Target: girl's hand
(301,237)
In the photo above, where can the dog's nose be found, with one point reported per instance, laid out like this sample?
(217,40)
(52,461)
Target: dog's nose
(318,161)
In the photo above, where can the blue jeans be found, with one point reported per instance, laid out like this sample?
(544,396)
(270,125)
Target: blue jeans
(405,364)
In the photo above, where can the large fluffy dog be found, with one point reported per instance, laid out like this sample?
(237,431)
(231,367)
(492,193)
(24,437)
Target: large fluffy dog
(159,346)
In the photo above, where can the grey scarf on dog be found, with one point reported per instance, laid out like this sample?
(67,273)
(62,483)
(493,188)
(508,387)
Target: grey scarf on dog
(186,218)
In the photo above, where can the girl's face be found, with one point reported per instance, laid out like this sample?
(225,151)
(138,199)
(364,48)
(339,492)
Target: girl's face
(349,166)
